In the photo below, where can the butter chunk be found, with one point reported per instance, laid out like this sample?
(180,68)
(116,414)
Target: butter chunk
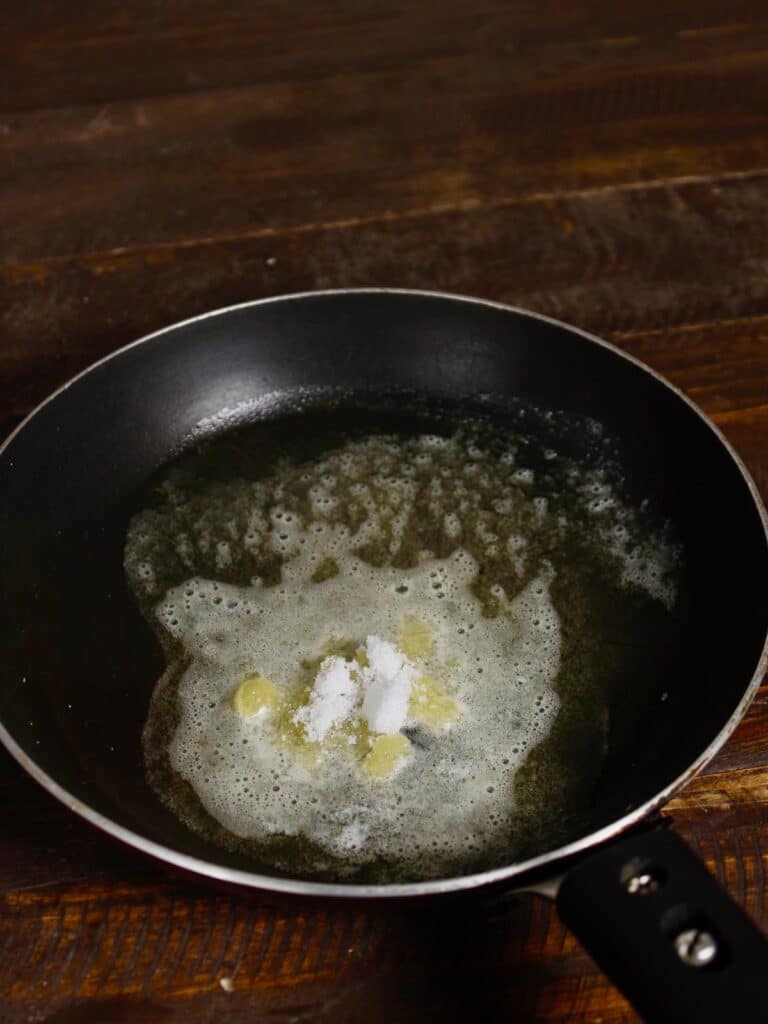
(431,705)
(415,638)
(361,657)
(255,696)
(388,753)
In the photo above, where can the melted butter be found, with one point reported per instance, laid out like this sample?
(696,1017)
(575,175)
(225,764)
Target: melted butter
(246,565)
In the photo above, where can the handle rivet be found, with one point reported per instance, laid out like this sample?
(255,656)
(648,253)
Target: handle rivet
(696,947)
(642,883)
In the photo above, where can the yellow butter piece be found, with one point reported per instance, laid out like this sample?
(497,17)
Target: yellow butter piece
(361,657)
(431,705)
(415,638)
(387,754)
(254,696)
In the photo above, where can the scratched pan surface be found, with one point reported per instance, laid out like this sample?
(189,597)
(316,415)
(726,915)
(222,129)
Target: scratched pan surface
(79,663)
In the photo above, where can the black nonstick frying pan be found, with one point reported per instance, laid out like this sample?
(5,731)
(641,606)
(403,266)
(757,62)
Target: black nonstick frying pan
(79,663)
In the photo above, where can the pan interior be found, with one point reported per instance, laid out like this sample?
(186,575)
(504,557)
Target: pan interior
(542,507)
(80,662)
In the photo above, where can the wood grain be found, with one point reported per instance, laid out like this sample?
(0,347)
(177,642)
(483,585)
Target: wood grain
(610,260)
(606,164)
(95,51)
(445,129)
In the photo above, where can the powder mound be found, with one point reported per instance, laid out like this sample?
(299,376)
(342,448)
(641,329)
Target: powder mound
(384,684)
(387,679)
(333,697)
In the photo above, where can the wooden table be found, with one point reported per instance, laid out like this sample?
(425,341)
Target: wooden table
(160,159)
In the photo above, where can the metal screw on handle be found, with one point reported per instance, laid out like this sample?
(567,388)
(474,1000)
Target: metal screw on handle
(695,947)
(642,884)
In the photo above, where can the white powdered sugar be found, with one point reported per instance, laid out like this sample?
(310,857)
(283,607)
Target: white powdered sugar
(333,697)
(387,681)
(384,684)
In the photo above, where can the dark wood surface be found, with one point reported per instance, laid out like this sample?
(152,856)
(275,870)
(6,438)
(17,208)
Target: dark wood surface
(604,163)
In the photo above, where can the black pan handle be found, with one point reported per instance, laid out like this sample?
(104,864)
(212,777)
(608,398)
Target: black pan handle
(666,932)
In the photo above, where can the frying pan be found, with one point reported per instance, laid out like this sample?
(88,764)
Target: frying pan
(79,663)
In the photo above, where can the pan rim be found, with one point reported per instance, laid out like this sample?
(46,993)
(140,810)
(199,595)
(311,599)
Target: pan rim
(508,872)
